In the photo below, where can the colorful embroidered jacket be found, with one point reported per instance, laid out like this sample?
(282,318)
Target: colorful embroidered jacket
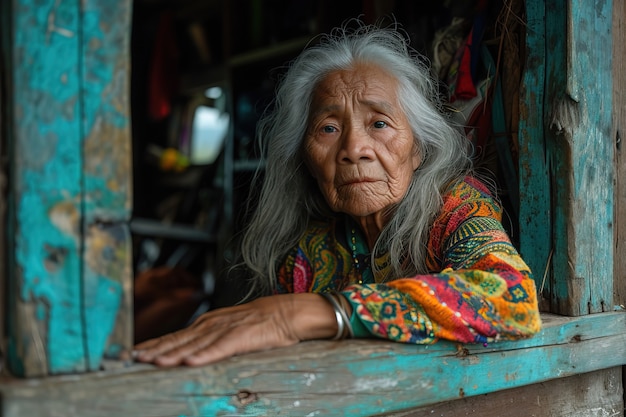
(479,289)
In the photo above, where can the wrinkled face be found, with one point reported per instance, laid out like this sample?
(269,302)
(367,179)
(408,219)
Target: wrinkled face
(359,145)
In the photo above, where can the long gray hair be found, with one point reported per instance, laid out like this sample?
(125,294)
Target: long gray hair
(290,198)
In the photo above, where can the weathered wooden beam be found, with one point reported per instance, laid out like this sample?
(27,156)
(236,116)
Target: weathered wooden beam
(69,277)
(575,97)
(356,378)
(581,120)
(44,318)
(107,256)
(593,394)
(534,183)
(619,133)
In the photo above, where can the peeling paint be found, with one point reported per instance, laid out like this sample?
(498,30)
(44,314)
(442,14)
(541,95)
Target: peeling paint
(67,93)
(309,379)
(65,216)
(370,384)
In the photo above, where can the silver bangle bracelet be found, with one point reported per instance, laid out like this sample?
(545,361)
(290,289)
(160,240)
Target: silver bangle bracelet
(344,313)
(344,329)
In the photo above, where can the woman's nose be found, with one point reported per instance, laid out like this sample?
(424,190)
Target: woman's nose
(356,146)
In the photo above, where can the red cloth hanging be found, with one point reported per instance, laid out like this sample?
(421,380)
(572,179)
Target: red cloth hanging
(460,78)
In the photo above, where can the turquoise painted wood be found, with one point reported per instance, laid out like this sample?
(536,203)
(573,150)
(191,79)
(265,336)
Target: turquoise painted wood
(581,127)
(69,278)
(107,267)
(355,378)
(572,138)
(44,319)
(534,178)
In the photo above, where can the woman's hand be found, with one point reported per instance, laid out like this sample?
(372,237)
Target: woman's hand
(265,323)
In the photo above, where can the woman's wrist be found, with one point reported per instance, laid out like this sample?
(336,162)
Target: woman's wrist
(341,306)
(312,317)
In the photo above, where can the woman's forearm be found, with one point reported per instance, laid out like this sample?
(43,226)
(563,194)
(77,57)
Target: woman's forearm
(268,322)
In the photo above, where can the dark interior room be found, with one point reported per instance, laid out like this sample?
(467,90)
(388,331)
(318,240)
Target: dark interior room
(204,71)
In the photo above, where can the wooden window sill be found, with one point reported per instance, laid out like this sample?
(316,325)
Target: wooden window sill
(356,377)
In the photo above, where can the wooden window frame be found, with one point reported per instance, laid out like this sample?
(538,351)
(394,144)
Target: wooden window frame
(70,180)
(356,378)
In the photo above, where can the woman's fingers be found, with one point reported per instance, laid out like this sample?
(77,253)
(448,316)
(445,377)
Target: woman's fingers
(172,348)
(252,337)
(236,330)
(150,350)
(180,354)
(266,323)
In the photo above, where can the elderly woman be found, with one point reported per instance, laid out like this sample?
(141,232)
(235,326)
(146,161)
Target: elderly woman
(369,223)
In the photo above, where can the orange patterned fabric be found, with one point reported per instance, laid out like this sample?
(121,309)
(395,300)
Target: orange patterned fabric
(479,289)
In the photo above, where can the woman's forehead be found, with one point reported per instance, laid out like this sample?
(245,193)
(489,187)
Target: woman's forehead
(371,84)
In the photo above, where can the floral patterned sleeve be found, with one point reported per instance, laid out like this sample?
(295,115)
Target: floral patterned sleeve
(483,292)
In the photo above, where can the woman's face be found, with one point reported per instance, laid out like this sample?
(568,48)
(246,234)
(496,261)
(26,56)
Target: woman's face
(359,145)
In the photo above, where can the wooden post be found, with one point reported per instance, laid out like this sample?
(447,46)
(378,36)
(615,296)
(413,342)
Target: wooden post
(619,133)
(578,149)
(69,268)
(107,257)
(534,217)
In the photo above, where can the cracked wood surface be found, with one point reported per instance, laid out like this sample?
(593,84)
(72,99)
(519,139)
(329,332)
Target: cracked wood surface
(356,378)
(567,154)
(69,275)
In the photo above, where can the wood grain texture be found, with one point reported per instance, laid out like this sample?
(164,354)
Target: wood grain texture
(69,275)
(580,123)
(356,378)
(535,214)
(595,394)
(619,134)
(569,211)
(44,317)
(107,266)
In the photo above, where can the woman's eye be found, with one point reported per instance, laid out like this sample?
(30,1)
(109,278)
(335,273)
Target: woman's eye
(328,129)
(380,124)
